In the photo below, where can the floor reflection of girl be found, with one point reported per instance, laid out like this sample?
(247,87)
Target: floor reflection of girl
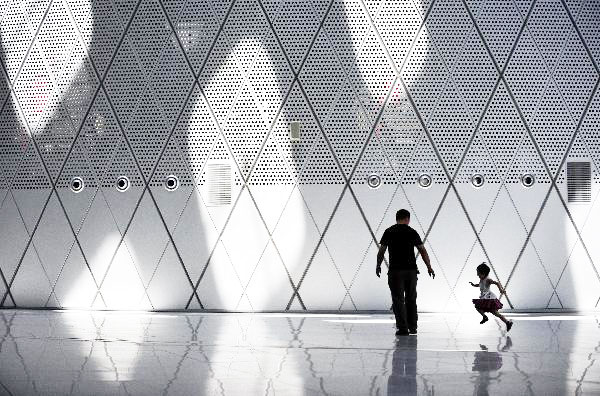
(485,363)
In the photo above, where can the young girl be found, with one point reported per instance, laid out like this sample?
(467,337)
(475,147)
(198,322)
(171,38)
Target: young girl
(487,301)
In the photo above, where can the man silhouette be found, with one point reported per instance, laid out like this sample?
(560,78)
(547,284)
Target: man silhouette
(402,272)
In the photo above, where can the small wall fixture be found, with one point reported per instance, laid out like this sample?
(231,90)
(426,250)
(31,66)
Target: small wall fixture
(219,181)
(477,180)
(374,180)
(172,183)
(425,181)
(579,181)
(295,131)
(77,184)
(528,180)
(122,184)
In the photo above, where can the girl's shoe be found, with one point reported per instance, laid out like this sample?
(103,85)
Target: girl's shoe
(485,319)
(509,326)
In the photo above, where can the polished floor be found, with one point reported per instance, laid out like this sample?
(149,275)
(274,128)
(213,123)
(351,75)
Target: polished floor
(95,353)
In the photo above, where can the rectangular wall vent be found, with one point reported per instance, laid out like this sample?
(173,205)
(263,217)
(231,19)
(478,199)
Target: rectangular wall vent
(295,127)
(219,184)
(579,181)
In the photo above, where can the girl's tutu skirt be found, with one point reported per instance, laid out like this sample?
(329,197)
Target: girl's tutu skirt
(487,304)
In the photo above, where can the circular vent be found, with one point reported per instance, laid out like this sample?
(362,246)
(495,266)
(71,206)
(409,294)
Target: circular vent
(172,183)
(122,184)
(374,180)
(477,180)
(425,181)
(528,180)
(77,184)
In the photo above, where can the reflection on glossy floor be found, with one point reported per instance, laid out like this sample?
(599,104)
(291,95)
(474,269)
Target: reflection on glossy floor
(45,352)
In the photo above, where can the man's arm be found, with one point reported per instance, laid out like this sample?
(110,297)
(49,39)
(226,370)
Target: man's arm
(425,256)
(380,257)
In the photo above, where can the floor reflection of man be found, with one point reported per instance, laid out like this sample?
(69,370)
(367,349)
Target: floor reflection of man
(403,379)
(486,362)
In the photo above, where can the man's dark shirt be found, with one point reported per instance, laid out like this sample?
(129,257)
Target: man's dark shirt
(401,240)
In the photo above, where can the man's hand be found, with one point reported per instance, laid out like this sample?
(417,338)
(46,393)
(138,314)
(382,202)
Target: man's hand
(431,273)
(425,256)
(472,284)
(380,257)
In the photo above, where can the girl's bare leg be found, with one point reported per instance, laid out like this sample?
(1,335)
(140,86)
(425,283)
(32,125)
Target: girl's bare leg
(507,322)
(499,315)
(485,318)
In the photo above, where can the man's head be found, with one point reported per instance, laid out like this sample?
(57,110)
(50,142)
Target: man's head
(403,216)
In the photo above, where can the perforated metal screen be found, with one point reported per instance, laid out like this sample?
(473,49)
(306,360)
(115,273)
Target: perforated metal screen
(192,100)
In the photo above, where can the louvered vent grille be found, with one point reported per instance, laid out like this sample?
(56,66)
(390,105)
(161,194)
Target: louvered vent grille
(219,184)
(579,182)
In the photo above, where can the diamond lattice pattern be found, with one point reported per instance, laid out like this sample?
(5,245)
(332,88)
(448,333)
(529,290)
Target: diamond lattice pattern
(147,160)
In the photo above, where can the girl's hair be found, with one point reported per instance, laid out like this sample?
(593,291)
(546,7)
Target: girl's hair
(483,269)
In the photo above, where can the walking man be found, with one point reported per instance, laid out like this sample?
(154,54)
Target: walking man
(402,273)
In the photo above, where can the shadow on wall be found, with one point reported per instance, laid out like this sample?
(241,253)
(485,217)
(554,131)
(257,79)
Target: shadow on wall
(207,91)
(117,103)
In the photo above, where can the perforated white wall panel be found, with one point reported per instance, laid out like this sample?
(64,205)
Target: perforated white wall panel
(188,104)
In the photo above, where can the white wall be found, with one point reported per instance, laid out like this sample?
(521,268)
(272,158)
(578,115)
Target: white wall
(155,88)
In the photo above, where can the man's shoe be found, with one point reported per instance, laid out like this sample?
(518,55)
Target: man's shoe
(402,333)
(412,331)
